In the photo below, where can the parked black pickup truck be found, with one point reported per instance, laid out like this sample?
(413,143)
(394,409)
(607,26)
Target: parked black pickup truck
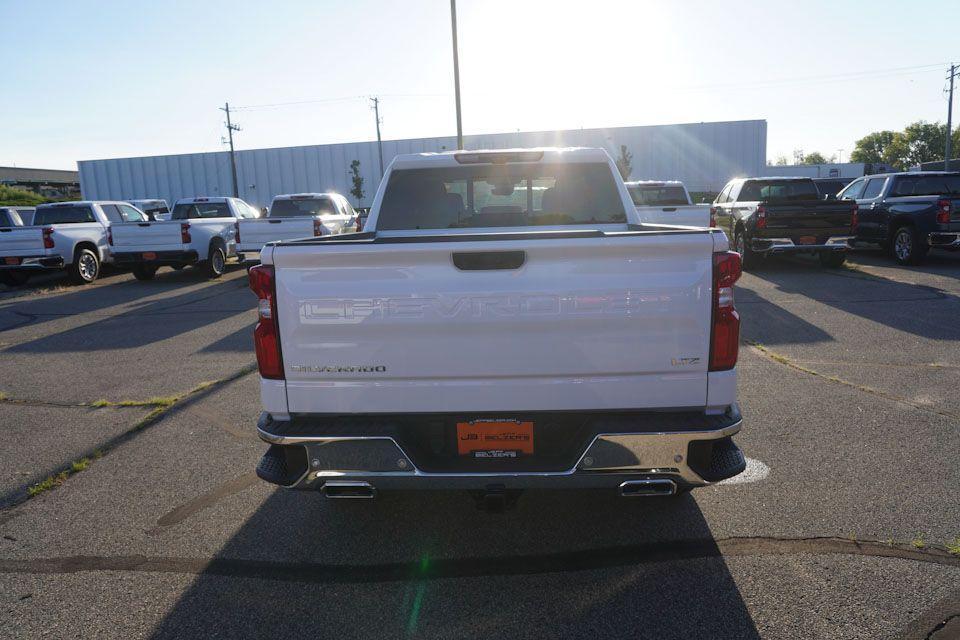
(908,213)
(768,216)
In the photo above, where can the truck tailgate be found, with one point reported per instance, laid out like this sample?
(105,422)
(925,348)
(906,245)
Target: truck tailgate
(146,236)
(612,322)
(21,241)
(256,233)
(691,215)
(811,217)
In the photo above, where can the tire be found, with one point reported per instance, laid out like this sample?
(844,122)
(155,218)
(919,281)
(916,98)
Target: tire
(832,259)
(749,259)
(908,247)
(85,267)
(14,278)
(144,272)
(216,262)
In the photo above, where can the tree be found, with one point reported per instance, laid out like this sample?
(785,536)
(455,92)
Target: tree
(623,162)
(14,197)
(872,147)
(357,179)
(815,157)
(781,161)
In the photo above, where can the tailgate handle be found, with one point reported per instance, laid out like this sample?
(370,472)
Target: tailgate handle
(143,224)
(274,221)
(669,208)
(489,260)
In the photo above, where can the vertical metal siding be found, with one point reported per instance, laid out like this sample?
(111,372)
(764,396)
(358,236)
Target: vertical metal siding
(704,155)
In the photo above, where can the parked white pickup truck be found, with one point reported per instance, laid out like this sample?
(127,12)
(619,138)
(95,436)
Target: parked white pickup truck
(505,321)
(64,235)
(201,232)
(668,202)
(294,216)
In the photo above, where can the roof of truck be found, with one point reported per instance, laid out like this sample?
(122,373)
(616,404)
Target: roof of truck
(75,203)
(297,196)
(483,156)
(653,183)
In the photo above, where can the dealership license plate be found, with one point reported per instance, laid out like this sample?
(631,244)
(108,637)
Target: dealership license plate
(808,239)
(494,438)
(149,255)
(12,260)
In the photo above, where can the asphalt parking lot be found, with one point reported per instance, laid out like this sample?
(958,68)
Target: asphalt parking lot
(839,529)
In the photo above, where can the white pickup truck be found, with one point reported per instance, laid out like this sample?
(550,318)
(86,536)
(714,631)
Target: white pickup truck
(668,202)
(64,235)
(201,231)
(504,322)
(299,215)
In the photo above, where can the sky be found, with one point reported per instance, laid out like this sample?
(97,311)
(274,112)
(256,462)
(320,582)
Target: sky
(119,78)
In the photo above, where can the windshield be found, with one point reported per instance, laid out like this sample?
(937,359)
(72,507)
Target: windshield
(501,196)
(190,210)
(778,191)
(63,215)
(659,196)
(302,207)
(929,185)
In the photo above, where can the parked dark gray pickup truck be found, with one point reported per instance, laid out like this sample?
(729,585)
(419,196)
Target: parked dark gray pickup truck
(908,213)
(768,216)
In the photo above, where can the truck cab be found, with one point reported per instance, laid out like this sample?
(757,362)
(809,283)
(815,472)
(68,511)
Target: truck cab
(667,202)
(297,215)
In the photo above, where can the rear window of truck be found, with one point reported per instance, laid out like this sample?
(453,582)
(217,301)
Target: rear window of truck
(302,207)
(63,215)
(192,210)
(926,186)
(658,196)
(778,191)
(10,218)
(510,195)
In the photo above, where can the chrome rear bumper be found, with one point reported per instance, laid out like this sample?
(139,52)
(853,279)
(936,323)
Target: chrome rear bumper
(785,245)
(944,240)
(688,458)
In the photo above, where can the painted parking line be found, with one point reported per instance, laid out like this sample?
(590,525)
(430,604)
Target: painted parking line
(755,472)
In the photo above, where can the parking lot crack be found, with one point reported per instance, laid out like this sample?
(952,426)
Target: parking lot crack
(440,568)
(797,366)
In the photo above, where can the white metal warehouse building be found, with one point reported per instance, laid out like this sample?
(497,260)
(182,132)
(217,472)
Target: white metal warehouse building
(703,155)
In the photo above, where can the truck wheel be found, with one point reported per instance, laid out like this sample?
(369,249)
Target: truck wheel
(144,272)
(216,262)
(832,259)
(908,247)
(14,278)
(85,268)
(749,258)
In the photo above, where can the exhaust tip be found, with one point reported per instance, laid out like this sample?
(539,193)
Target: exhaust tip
(345,489)
(658,487)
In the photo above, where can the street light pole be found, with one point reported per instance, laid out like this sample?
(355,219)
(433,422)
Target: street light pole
(456,71)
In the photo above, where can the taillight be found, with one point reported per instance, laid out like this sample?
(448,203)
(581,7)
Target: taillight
(761,217)
(266,336)
(48,238)
(854,219)
(236,231)
(185,233)
(713,216)
(944,207)
(725,330)
(317,227)
(110,236)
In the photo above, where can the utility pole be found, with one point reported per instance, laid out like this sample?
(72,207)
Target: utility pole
(456,71)
(376,113)
(233,157)
(946,153)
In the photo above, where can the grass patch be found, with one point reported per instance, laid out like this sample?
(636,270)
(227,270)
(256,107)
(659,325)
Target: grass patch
(918,541)
(156,401)
(47,484)
(953,546)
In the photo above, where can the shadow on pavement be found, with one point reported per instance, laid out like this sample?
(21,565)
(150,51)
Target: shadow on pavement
(767,322)
(563,564)
(872,297)
(149,322)
(240,340)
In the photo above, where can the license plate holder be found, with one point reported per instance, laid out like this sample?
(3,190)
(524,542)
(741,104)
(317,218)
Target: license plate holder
(12,261)
(149,255)
(808,240)
(495,439)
